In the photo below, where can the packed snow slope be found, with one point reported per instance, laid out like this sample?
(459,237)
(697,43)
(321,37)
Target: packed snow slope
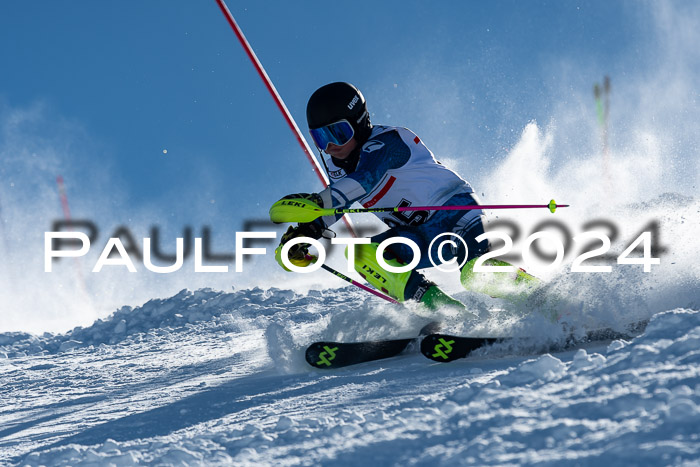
(210,377)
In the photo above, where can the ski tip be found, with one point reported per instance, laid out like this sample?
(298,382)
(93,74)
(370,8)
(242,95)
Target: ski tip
(322,354)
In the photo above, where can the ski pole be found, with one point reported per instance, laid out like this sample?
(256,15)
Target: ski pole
(357,284)
(301,210)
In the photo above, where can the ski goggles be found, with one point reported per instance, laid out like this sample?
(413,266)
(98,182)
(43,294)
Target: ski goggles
(338,133)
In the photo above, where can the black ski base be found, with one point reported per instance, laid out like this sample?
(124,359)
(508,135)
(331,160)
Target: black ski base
(327,355)
(446,348)
(437,346)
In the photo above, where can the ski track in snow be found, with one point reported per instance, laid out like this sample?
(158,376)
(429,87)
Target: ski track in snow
(206,378)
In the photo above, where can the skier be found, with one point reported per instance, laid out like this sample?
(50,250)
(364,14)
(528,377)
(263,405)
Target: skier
(385,166)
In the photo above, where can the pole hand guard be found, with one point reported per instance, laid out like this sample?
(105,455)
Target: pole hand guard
(300,207)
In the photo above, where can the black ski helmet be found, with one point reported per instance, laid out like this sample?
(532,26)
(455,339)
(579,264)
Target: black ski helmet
(339,101)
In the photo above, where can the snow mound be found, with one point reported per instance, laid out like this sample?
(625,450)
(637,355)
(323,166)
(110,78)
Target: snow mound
(334,313)
(618,403)
(233,311)
(209,377)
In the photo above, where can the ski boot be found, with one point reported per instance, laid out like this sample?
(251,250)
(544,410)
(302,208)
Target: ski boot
(513,286)
(434,299)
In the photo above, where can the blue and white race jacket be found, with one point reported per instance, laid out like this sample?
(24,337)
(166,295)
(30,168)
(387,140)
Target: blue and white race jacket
(395,169)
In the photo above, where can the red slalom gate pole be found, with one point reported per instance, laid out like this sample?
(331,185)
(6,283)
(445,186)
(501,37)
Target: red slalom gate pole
(278,100)
(295,129)
(66,213)
(63,198)
(273,92)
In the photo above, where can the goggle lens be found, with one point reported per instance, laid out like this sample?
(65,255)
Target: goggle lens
(338,133)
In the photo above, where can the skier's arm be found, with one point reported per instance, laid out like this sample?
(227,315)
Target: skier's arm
(340,194)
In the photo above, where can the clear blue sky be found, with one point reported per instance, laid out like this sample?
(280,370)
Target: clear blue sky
(96,91)
(140,77)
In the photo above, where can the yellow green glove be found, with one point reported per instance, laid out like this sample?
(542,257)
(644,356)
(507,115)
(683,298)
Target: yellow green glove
(298,254)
